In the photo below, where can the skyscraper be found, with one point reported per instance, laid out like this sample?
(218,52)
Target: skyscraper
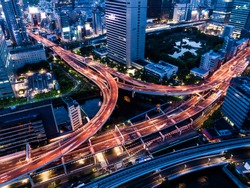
(14,19)
(240,15)
(126,23)
(236,106)
(5,86)
(228,30)
(222,11)
(97,21)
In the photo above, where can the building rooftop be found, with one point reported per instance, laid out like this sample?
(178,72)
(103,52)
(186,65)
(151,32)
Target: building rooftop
(242,84)
(25,49)
(70,102)
(12,109)
(43,110)
(142,62)
(241,41)
(160,67)
(213,54)
(199,70)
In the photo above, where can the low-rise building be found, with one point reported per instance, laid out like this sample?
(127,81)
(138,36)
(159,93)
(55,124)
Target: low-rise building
(20,56)
(102,52)
(74,111)
(210,61)
(241,44)
(33,123)
(199,72)
(161,69)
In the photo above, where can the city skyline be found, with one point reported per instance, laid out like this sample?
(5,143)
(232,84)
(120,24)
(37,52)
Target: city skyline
(167,90)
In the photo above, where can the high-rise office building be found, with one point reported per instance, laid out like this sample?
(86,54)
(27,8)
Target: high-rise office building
(63,24)
(240,15)
(228,30)
(126,23)
(5,86)
(236,106)
(180,12)
(97,21)
(222,11)
(14,19)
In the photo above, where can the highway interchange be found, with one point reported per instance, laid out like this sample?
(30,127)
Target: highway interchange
(101,76)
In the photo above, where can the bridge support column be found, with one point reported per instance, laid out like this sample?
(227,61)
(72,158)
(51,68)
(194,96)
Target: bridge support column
(133,94)
(64,166)
(116,128)
(144,145)
(161,110)
(31,181)
(200,96)
(163,137)
(192,121)
(126,150)
(91,147)
(28,152)
(95,160)
(87,118)
(117,140)
(178,129)
(130,123)
(137,132)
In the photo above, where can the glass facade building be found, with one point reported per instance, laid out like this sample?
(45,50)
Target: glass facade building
(240,15)
(126,23)
(5,86)
(14,19)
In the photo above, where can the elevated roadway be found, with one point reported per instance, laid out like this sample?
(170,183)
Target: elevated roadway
(108,86)
(57,149)
(137,86)
(173,158)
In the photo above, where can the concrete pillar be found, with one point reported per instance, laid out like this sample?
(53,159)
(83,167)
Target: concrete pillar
(95,160)
(116,128)
(87,118)
(163,137)
(28,152)
(31,181)
(133,94)
(91,147)
(161,110)
(178,130)
(64,166)
(144,145)
(192,122)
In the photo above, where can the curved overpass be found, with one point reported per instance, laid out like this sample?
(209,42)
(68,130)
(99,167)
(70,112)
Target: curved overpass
(56,150)
(173,158)
(138,86)
(110,94)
